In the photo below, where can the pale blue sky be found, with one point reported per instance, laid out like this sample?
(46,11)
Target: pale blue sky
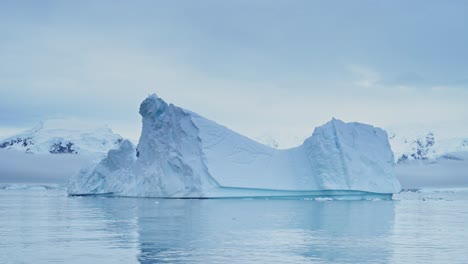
(259,67)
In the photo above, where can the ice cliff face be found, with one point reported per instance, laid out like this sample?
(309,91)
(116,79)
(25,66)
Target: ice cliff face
(181,154)
(63,137)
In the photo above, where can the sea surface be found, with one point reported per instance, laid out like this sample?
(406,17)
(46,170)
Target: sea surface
(41,224)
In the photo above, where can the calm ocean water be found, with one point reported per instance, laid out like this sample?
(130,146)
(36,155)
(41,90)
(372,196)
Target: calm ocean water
(46,226)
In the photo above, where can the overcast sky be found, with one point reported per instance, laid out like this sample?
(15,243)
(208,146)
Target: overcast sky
(276,68)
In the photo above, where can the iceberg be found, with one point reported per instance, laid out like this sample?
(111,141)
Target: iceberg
(181,154)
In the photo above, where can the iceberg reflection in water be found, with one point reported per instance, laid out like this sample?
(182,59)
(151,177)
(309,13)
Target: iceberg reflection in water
(243,231)
(44,226)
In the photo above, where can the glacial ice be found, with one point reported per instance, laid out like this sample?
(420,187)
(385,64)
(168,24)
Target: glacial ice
(183,155)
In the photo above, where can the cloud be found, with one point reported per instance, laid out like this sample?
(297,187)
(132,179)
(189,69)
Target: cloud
(365,77)
(277,71)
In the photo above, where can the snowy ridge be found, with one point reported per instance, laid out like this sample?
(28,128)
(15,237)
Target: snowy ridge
(182,154)
(63,137)
(426,146)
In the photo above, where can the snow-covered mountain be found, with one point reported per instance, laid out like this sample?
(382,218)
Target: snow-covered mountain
(58,136)
(430,157)
(182,154)
(428,145)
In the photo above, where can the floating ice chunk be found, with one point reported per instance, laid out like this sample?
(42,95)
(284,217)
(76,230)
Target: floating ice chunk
(182,154)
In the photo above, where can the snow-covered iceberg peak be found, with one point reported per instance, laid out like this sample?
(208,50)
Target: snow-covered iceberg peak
(351,156)
(181,154)
(171,146)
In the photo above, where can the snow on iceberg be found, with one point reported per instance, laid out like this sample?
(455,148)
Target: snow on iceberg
(183,155)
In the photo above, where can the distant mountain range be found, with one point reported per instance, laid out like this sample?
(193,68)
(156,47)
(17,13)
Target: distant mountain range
(426,146)
(63,137)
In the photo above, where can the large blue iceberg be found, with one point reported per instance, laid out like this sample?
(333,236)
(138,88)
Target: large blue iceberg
(183,155)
